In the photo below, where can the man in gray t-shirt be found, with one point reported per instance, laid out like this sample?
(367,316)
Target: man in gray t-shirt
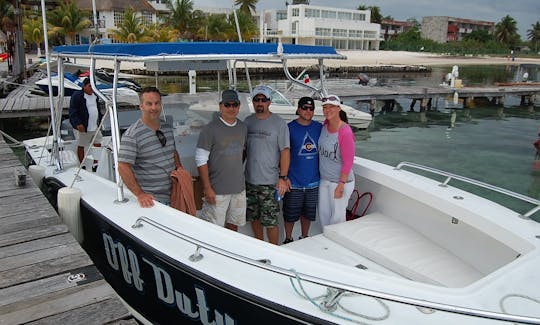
(219,157)
(267,165)
(147,154)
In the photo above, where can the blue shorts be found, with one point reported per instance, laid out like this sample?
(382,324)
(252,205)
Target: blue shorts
(300,202)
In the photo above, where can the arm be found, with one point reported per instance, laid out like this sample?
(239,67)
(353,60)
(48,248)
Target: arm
(209,193)
(126,172)
(284,162)
(346,147)
(177,161)
(74,115)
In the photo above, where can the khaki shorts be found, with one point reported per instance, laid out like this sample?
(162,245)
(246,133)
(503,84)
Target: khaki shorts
(229,208)
(84,139)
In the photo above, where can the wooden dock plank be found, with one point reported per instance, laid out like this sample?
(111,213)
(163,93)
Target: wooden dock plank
(37,257)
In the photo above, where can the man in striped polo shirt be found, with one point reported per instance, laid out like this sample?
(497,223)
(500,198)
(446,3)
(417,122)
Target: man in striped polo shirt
(148,153)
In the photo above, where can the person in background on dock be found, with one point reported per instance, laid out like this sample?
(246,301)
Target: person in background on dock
(147,154)
(301,201)
(336,157)
(267,165)
(220,156)
(85,117)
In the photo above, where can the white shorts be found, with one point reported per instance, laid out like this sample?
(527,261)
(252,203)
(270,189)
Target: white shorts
(229,208)
(84,139)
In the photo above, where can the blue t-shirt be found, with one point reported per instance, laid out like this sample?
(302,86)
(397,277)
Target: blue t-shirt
(304,167)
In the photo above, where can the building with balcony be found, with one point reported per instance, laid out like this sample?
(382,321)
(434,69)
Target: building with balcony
(392,28)
(344,29)
(110,13)
(444,29)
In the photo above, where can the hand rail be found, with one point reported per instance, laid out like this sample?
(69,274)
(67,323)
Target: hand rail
(450,176)
(338,285)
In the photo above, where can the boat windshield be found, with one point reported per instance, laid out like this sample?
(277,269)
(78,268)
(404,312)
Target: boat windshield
(279,99)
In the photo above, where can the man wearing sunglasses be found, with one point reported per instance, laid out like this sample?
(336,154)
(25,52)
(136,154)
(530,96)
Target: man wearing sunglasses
(219,157)
(301,201)
(147,154)
(267,165)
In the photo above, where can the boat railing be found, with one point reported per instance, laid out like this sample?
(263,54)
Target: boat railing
(293,275)
(450,176)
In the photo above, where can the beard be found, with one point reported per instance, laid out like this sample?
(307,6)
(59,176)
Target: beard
(259,109)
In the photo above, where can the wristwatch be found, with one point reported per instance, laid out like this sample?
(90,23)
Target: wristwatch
(283,177)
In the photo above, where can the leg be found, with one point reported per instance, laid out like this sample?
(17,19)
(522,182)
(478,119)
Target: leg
(257,229)
(340,205)
(231,226)
(288,230)
(273,234)
(326,202)
(80,153)
(305,223)
(236,212)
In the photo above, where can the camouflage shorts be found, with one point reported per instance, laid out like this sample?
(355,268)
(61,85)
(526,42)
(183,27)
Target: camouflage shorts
(261,204)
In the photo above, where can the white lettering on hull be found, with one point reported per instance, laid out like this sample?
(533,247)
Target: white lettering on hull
(126,261)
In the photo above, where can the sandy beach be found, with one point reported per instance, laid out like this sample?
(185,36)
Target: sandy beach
(374,58)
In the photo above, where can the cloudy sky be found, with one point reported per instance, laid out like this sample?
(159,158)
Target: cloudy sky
(525,12)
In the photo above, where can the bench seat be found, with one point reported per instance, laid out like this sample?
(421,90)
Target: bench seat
(403,250)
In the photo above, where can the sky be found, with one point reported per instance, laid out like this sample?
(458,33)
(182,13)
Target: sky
(524,12)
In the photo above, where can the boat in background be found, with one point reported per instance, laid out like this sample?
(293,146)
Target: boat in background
(425,252)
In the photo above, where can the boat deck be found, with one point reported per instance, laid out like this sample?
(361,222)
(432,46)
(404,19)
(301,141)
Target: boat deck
(45,275)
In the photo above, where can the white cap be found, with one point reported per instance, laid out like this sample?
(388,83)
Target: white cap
(331,100)
(263,90)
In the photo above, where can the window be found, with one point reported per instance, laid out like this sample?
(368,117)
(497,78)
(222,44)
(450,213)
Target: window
(359,17)
(322,31)
(322,42)
(328,14)
(296,12)
(294,27)
(281,15)
(355,33)
(370,34)
(344,15)
(316,13)
(339,32)
(146,18)
(118,18)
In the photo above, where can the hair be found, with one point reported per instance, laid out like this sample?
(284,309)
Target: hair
(86,81)
(343,116)
(149,89)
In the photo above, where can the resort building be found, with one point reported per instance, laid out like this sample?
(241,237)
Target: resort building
(444,29)
(392,28)
(344,29)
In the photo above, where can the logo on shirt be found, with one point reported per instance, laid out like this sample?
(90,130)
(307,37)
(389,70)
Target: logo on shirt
(309,147)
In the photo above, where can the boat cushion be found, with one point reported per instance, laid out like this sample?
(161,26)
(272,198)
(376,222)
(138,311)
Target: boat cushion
(403,250)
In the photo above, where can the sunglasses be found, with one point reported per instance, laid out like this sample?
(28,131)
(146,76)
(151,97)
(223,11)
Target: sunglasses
(261,99)
(331,98)
(306,107)
(235,105)
(161,137)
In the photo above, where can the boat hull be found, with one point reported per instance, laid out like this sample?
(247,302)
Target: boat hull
(162,289)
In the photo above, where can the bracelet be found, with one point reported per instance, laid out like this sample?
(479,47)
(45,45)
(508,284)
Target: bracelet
(342,182)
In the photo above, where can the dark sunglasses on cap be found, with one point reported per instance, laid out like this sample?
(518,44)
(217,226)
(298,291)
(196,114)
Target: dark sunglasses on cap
(235,105)
(331,98)
(261,99)
(306,107)
(161,137)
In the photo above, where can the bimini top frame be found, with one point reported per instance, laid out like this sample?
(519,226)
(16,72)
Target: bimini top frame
(193,51)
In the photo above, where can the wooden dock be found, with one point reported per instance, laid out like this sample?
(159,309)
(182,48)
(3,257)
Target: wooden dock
(45,275)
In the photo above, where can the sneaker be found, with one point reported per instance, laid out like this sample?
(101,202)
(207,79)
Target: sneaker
(288,240)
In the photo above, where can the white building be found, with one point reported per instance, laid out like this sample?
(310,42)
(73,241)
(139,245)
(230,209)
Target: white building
(344,29)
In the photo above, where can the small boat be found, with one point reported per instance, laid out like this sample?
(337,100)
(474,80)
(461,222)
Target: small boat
(365,80)
(425,252)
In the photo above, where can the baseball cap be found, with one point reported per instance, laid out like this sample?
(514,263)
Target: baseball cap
(262,90)
(331,100)
(229,95)
(306,100)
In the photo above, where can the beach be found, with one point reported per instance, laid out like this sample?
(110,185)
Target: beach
(368,58)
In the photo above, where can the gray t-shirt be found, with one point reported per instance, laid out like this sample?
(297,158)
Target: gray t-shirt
(152,163)
(226,145)
(266,139)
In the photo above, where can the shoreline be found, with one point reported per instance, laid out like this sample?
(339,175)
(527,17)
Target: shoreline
(371,59)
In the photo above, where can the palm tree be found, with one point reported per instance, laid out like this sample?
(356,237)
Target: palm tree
(506,31)
(161,33)
(7,16)
(67,20)
(180,17)
(220,29)
(131,30)
(376,16)
(33,32)
(246,6)
(533,35)
(248,29)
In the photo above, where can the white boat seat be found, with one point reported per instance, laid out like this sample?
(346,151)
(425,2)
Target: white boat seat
(403,250)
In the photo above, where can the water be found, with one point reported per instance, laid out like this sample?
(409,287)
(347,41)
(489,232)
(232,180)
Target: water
(488,143)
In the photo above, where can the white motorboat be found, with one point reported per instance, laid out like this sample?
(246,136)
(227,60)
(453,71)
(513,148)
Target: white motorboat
(426,252)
